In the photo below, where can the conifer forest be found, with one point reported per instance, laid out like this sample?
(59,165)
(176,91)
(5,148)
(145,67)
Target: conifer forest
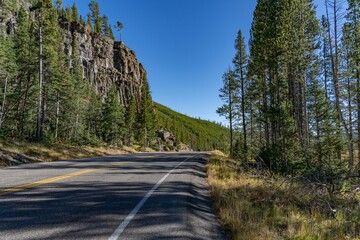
(292,98)
(48,95)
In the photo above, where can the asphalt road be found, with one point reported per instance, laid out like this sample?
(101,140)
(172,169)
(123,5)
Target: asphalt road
(138,196)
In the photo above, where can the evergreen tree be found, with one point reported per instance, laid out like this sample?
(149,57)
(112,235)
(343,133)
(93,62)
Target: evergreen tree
(347,95)
(58,87)
(146,118)
(130,122)
(353,58)
(8,73)
(106,27)
(26,59)
(93,117)
(69,14)
(75,13)
(81,93)
(240,64)
(322,162)
(326,62)
(95,16)
(119,26)
(88,21)
(81,20)
(228,94)
(113,122)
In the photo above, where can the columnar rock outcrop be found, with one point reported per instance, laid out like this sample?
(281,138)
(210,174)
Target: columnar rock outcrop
(106,62)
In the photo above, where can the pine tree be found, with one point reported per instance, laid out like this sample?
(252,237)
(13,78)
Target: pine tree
(88,22)
(26,49)
(95,16)
(93,117)
(257,70)
(146,118)
(119,26)
(113,122)
(57,90)
(130,121)
(8,83)
(81,94)
(352,37)
(39,8)
(240,64)
(326,62)
(69,14)
(325,142)
(228,94)
(82,21)
(333,38)
(75,13)
(106,27)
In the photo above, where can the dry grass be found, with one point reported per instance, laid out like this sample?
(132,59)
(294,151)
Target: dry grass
(253,207)
(40,152)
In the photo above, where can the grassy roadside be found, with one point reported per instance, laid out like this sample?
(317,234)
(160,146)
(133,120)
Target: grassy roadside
(254,207)
(14,152)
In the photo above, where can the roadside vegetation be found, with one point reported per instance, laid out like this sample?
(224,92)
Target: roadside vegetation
(17,152)
(251,204)
(292,103)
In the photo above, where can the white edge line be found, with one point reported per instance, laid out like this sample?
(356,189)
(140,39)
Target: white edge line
(120,229)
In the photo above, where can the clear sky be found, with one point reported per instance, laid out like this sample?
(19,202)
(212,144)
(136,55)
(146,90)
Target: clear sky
(185,45)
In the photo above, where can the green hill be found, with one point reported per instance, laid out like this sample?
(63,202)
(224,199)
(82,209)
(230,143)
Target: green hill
(198,134)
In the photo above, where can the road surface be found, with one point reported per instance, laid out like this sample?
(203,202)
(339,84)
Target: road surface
(138,196)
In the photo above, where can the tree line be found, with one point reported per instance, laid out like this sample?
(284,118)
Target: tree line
(292,98)
(43,99)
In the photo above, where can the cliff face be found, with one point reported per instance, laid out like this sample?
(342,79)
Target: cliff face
(105,62)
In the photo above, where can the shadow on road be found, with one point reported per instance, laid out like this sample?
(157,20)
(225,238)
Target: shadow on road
(93,207)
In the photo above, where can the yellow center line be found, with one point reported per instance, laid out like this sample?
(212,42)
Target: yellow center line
(55,179)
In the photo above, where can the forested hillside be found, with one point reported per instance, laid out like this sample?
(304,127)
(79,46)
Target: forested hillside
(196,133)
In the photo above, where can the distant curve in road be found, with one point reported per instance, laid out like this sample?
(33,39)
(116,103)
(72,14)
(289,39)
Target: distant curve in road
(137,196)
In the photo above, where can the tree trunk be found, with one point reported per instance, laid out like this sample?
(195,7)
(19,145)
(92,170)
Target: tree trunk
(57,115)
(265,105)
(251,129)
(39,122)
(76,126)
(3,104)
(335,70)
(243,109)
(358,112)
(231,119)
(351,143)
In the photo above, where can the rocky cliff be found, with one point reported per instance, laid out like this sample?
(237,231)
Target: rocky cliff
(105,62)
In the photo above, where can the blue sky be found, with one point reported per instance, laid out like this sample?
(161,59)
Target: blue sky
(185,45)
